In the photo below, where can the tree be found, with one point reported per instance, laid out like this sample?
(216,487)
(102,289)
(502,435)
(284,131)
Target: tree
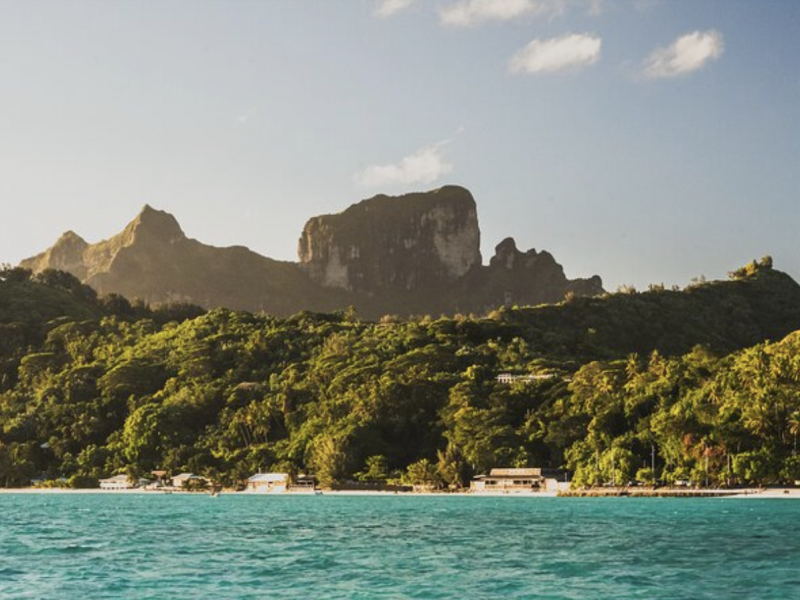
(376,468)
(450,466)
(328,458)
(421,473)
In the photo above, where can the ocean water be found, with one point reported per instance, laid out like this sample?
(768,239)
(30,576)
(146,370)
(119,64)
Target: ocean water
(76,546)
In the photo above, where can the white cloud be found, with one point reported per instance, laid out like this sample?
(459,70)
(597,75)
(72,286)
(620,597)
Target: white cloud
(570,51)
(426,165)
(470,13)
(389,8)
(686,54)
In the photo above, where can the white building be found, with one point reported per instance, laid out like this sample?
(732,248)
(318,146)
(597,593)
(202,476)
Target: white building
(508,480)
(117,482)
(508,378)
(521,480)
(268,483)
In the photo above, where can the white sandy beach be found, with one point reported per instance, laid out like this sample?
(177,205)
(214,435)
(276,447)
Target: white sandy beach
(782,493)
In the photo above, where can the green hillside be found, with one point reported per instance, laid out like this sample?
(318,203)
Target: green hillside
(685,379)
(724,316)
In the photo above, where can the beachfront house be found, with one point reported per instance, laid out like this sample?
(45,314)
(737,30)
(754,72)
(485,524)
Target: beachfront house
(556,480)
(302,483)
(521,480)
(187,480)
(117,482)
(509,480)
(268,483)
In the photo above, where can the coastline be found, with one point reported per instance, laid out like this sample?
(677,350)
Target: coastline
(785,493)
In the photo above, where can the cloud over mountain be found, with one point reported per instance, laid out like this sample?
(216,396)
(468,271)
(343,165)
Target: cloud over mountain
(426,165)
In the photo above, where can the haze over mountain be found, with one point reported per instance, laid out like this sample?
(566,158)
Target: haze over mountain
(414,254)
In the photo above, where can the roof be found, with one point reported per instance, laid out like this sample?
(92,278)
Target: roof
(532,472)
(268,477)
(116,479)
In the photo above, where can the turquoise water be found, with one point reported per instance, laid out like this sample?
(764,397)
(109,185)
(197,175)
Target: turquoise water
(184,546)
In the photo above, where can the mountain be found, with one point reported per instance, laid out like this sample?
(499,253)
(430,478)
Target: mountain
(413,254)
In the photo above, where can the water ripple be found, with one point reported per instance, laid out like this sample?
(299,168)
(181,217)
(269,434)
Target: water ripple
(141,547)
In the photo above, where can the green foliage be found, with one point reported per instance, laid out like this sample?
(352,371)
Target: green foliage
(421,473)
(91,387)
(751,269)
(646,475)
(375,469)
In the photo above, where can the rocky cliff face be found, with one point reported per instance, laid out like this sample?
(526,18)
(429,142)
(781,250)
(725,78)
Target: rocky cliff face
(402,244)
(529,277)
(413,254)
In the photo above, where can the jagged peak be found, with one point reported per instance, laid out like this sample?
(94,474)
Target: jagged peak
(155,223)
(70,237)
(507,245)
(147,209)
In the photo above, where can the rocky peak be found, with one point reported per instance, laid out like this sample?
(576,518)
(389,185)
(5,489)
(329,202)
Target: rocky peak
(65,255)
(405,242)
(506,256)
(153,225)
(70,238)
(68,248)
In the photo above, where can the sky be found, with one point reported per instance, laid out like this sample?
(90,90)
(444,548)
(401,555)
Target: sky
(647,141)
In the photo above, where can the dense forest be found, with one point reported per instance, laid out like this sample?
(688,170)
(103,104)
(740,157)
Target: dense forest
(701,384)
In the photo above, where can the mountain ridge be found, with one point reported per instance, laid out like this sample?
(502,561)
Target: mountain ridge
(418,253)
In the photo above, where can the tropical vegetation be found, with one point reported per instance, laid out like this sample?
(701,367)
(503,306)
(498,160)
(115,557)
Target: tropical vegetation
(701,384)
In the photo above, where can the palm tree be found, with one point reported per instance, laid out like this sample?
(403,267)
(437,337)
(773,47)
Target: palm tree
(449,466)
(757,418)
(422,472)
(794,428)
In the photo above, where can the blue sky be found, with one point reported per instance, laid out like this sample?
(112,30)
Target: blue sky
(642,140)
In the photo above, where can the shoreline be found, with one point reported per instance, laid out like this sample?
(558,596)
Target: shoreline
(749,493)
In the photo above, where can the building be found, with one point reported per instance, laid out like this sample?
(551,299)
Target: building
(521,480)
(508,378)
(117,482)
(303,483)
(185,480)
(268,483)
(508,480)
(556,480)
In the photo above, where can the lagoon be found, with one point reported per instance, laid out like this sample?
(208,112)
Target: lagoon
(141,546)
